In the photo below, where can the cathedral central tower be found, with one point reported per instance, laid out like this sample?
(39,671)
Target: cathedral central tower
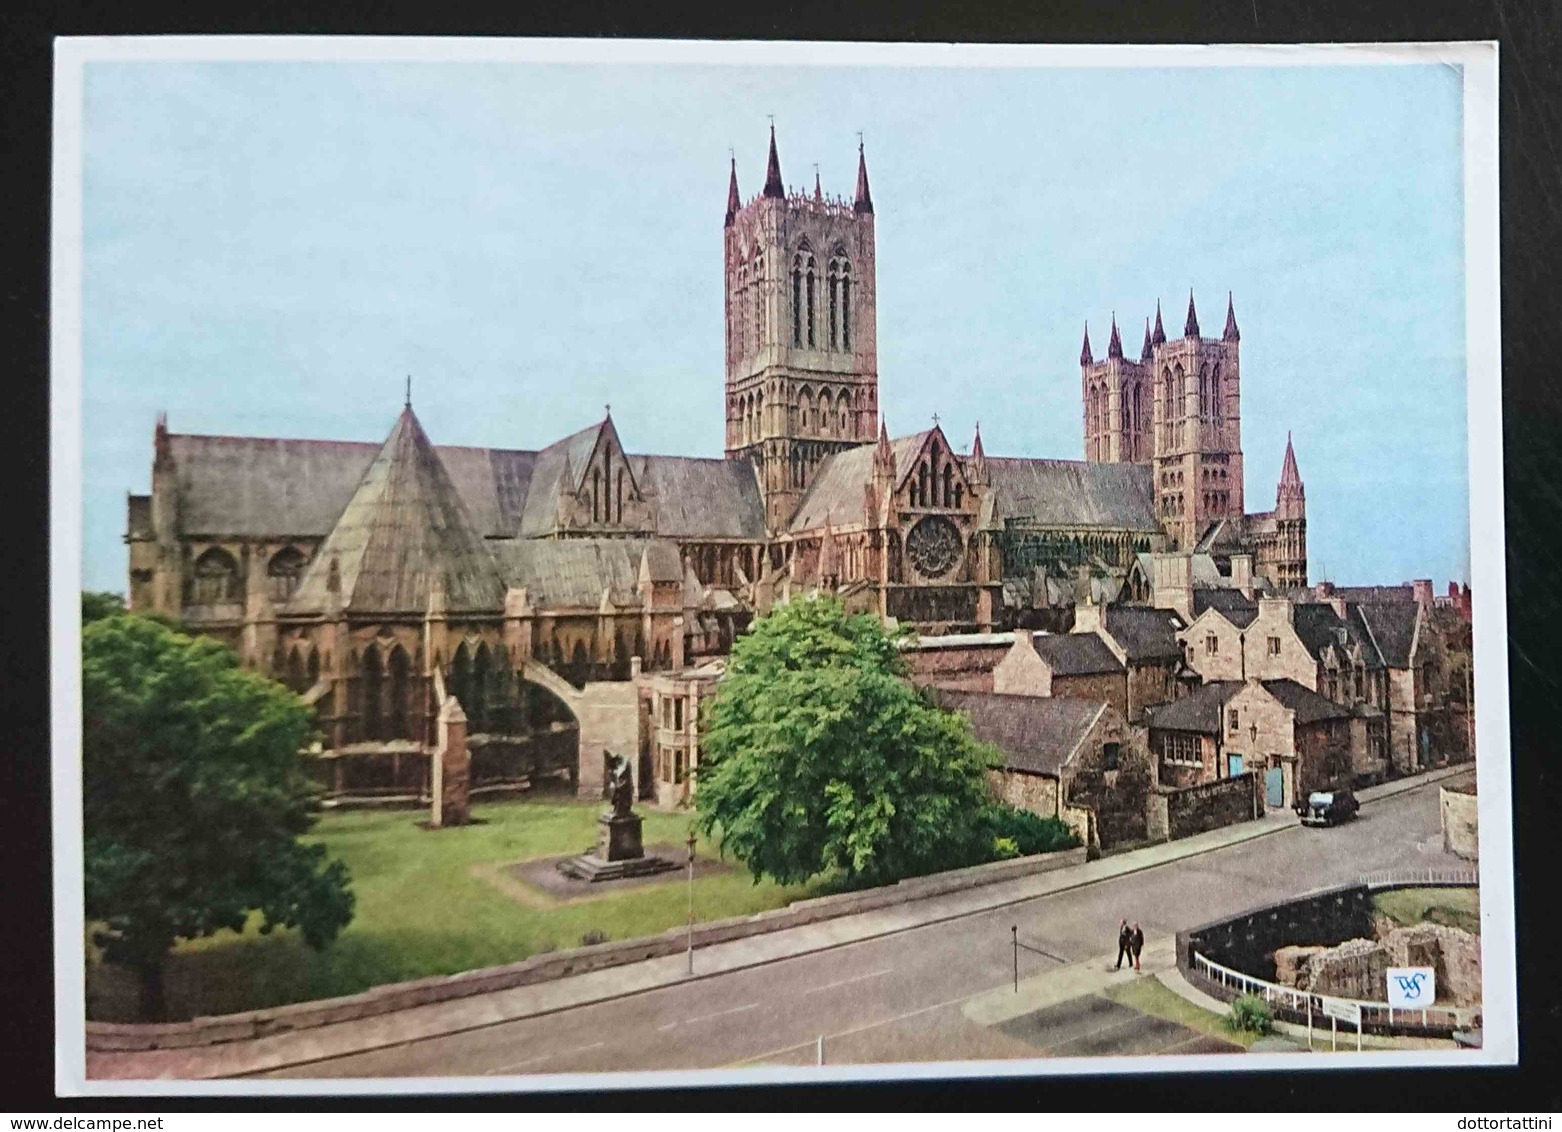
(802,350)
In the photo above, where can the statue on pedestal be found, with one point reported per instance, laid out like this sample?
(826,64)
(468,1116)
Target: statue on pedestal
(619,852)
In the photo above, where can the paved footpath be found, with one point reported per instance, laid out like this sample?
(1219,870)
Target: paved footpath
(349,1048)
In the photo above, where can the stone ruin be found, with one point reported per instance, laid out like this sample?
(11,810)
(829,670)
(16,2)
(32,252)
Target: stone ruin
(1358,968)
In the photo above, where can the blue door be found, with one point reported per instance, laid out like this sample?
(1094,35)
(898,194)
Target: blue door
(1233,765)
(1274,781)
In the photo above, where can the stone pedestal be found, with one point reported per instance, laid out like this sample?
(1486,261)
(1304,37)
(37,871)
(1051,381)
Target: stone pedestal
(619,853)
(618,839)
(450,769)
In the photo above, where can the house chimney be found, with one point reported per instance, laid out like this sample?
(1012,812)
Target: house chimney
(1323,589)
(1242,573)
(1421,588)
(1339,607)
(1276,607)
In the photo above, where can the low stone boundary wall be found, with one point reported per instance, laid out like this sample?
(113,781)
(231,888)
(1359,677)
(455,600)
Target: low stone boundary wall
(1246,943)
(206,1031)
(1210,805)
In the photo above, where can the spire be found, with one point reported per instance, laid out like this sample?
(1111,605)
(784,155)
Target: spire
(864,202)
(1158,338)
(884,448)
(818,192)
(1085,357)
(734,202)
(1145,350)
(976,445)
(408,403)
(1232,334)
(1190,329)
(1114,347)
(1289,476)
(773,186)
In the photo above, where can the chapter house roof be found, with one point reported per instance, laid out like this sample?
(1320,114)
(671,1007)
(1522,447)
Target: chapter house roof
(403,533)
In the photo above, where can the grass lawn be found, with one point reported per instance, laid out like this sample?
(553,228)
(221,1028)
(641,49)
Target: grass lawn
(1452,907)
(422,911)
(1148,995)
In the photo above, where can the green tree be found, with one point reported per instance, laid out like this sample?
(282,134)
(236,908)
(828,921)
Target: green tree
(194,795)
(96,606)
(819,756)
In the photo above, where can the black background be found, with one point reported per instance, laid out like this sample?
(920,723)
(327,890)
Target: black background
(1530,35)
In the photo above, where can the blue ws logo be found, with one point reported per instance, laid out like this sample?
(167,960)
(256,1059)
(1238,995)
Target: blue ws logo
(1410,985)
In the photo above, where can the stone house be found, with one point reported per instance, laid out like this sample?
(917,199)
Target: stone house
(1068,665)
(1047,744)
(963,661)
(1144,640)
(671,731)
(1297,739)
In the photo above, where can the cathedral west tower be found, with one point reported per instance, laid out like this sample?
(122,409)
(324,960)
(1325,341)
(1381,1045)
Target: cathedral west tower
(802,352)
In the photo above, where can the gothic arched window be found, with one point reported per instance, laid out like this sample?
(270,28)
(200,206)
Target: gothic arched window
(400,673)
(759,299)
(373,694)
(596,476)
(620,495)
(846,305)
(283,572)
(797,300)
(826,411)
(1215,413)
(809,272)
(216,578)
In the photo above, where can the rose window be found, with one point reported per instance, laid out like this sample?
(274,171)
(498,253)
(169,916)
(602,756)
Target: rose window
(933,545)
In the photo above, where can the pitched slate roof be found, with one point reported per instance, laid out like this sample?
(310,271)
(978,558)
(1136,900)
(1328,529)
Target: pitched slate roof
(1200,710)
(1074,493)
(1076,654)
(404,531)
(705,498)
(1308,705)
(548,479)
(1236,608)
(837,492)
(573,573)
(1393,628)
(1144,633)
(1036,734)
(245,485)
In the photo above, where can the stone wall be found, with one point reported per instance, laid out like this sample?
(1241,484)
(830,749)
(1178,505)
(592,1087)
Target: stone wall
(966,668)
(609,717)
(1248,942)
(1454,954)
(1226,801)
(1037,793)
(1460,814)
(1112,687)
(1358,968)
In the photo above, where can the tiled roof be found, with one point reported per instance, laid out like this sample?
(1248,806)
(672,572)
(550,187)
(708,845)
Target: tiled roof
(1036,734)
(1308,705)
(404,531)
(1200,710)
(548,481)
(1076,654)
(1074,493)
(1144,633)
(1393,627)
(1235,607)
(243,485)
(837,491)
(572,573)
(705,498)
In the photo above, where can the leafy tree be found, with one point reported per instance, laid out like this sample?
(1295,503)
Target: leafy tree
(194,795)
(819,756)
(96,606)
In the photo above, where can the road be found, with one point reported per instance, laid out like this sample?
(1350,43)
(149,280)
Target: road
(904,988)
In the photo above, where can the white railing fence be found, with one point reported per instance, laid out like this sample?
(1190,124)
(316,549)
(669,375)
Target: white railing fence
(1402,878)
(1451,1017)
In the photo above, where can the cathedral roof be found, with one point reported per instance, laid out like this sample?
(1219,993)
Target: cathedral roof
(1190,328)
(705,498)
(403,533)
(1074,493)
(573,573)
(836,495)
(864,202)
(773,186)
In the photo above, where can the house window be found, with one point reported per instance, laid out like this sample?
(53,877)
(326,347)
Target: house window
(1211,644)
(1181,748)
(1109,755)
(1231,721)
(1274,646)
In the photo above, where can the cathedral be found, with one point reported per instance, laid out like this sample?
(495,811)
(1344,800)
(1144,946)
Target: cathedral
(364,574)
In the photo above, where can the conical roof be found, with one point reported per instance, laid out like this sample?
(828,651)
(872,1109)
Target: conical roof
(733,201)
(1085,357)
(864,202)
(1158,335)
(1190,329)
(403,533)
(773,186)
(1289,476)
(1232,334)
(1114,345)
(1146,350)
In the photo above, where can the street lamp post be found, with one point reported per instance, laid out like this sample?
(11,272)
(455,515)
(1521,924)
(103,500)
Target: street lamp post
(691,901)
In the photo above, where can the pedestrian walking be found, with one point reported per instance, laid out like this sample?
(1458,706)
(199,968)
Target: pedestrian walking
(1124,941)
(1136,945)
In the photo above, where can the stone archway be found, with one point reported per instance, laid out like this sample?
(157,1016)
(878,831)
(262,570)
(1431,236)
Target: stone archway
(608,715)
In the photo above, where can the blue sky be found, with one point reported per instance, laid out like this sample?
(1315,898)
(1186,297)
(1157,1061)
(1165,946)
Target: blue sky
(269,248)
